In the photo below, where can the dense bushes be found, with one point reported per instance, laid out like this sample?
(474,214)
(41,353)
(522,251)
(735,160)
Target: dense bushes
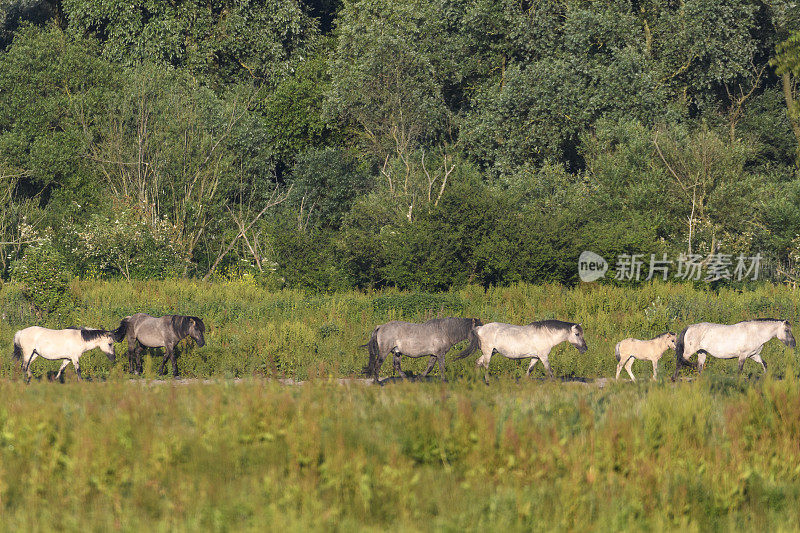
(417,146)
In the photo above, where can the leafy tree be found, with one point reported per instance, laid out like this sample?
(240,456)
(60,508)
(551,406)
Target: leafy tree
(221,41)
(787,65)
(383,82)
(291,113)
(326,183)
(48,81)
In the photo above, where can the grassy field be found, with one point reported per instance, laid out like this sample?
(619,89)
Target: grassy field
(255,332)
(713,455)
(716,453)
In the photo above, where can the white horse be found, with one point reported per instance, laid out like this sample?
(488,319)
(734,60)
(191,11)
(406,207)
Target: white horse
(60,344)
(740,341)
(532,341)
(628,350)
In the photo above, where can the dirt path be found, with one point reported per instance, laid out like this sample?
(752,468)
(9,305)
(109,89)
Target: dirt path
(599,382)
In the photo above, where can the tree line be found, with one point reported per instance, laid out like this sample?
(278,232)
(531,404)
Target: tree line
(419,144)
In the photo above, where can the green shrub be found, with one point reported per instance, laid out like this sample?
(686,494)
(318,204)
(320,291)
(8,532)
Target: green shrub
(414,304)
(44,276)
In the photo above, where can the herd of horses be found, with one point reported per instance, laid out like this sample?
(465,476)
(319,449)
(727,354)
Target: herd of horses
(433,338)
(141,329)
(534,341)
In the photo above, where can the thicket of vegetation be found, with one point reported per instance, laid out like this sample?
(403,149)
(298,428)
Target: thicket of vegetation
(290,333)
(709,455)
(332,144)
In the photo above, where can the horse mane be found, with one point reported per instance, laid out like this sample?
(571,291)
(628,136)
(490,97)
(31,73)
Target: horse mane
(558,325)
(91,334)
(662,335)
(456,327)
(181,323)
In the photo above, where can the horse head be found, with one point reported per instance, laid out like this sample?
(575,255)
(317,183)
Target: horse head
(107,345)
(575,338)
(785,334)
(671,339)
(196,330)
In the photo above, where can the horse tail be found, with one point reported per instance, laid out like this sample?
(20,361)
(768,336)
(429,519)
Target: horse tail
(616,351)
(17,348)
(122,330)
(372,346)
(472,337)
(680,346)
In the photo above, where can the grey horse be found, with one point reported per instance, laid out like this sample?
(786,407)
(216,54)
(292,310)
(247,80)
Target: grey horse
(433,338)
(144,330)
(533,341)
(740,341)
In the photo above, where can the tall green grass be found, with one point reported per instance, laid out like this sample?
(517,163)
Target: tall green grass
(253,331)
(712,455)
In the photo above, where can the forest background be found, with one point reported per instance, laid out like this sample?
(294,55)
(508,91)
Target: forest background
(422,145)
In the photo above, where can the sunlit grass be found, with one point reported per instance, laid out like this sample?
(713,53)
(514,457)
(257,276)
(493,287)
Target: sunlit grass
(715,454)
(289,333)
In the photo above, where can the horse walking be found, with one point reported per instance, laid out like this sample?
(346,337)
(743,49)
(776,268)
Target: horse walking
(61,344)
(628,350)
(533,341)
(740,341)
(433,338)
(144,330)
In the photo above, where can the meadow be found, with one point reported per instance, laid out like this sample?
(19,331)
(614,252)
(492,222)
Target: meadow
(252,331)
(711,455)
(715,453)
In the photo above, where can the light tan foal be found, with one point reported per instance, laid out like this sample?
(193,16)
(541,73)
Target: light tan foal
(629,349)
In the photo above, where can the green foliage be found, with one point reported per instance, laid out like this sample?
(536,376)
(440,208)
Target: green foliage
(383,82)
(417,303)
(292,112)
(220,41)
(326,183)
(44,276)
(428,144)
(408,457)
(126,245)
(49,83)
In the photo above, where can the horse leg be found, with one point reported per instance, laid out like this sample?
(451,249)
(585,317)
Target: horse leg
(757,358)
(33,356)
(77,369)
(534,360)
(431,362)
(172,357)
(60,370)
(655,369)
(701,362)
(440,357)
(741,365)
(546,362)
(163,370)
(396,357)
(483,361)
(132,342)
(621,365)
(629,368)
(378,363)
